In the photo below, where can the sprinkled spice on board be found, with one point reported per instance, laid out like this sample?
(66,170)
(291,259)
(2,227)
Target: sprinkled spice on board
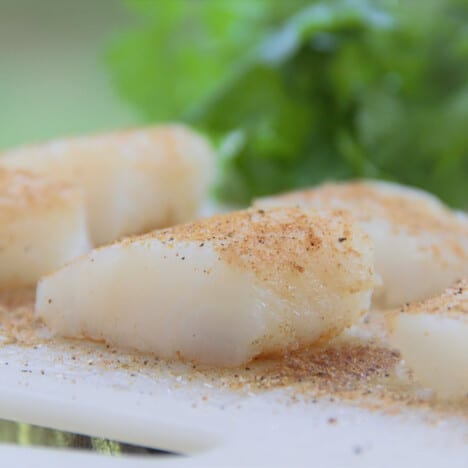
(17,321)
(359,372)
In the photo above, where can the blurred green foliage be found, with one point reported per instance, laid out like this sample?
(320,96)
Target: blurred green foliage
(298,92)
(12,432)
(185,48)
(29,435)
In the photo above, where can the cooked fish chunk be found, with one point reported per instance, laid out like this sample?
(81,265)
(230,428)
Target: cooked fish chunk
(42,226)
(433,339)
(421,246)
(219,291)
(134,181)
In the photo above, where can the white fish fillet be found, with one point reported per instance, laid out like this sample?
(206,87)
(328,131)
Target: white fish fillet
(134,181)
(42,226)
(421,246)
(218,291)
(433,339)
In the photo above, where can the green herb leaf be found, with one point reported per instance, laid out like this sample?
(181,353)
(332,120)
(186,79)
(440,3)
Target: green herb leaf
(298,92)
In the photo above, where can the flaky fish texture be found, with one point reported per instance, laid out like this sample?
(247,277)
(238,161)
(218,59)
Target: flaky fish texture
(42,226)
(421,246)
(218,291)
(134,181)
(433,339)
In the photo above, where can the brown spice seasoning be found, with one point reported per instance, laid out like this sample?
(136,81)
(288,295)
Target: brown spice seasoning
(355,371)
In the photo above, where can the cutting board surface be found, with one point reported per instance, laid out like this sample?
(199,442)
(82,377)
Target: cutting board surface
(321,408)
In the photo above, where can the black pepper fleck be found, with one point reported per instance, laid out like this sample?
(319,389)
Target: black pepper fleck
(357,450)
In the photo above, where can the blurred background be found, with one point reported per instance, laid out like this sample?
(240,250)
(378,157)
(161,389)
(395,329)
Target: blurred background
(292,92)
(53,77)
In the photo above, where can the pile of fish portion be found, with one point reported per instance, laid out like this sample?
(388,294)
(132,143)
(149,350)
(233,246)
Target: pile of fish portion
(293,270)
(130,182)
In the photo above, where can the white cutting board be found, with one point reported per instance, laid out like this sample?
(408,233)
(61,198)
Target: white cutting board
(216,427)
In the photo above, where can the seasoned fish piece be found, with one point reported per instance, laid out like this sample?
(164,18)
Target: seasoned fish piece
(42,226)
(221,290)
(421,246)
(433,339)
(134,181)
